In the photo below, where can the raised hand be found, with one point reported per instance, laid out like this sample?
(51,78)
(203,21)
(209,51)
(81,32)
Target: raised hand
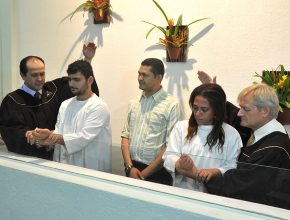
(205,78)
(89,51)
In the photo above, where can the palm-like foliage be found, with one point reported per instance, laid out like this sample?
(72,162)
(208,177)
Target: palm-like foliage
(280,81)
(91,5)
(171,33)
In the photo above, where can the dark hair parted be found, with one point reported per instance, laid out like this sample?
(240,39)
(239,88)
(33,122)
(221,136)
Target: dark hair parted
(216,97)
(23,67)
(82,66)
(157,66)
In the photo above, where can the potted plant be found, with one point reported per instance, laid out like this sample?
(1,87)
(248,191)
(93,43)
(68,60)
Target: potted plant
(280,81)
(175,35)
(174,43)
(101,10)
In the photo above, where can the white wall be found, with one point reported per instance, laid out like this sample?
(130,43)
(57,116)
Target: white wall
(242,37)
(8,47)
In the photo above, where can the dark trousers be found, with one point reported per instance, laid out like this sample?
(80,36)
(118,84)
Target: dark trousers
(161,176)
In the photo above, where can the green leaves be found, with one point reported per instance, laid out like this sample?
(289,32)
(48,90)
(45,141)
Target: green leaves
(162,11)
(280,82)
(91,5)
(155,26)
(87,6)
(171,31)
(201,19)
(178,23)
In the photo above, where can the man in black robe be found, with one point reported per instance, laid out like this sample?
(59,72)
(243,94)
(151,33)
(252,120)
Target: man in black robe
(262,174)
(263,169)
(35,105)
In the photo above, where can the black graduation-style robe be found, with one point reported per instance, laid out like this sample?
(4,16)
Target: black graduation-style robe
(262,174)
(21,112)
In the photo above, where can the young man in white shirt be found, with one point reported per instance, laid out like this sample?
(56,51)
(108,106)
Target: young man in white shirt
(82,134)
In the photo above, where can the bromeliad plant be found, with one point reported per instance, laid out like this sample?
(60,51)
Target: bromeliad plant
(99,8)
(280,81)
(172,34)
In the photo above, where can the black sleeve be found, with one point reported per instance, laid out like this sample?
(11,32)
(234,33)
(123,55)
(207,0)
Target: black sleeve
(95,88)
(272,156)
(63,91)
(255,183)
(13,125)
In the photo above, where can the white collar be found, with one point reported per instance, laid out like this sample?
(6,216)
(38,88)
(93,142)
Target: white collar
(268,128)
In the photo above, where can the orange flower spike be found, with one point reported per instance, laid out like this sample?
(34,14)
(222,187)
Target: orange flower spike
(98,2)
(170,23)
(275,77)
(163,41)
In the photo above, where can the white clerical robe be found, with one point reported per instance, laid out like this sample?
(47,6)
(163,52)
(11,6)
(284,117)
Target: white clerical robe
(86,129)
(200,153)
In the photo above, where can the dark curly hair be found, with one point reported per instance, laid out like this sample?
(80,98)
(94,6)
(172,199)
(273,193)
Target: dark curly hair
(216,97)
(81,66)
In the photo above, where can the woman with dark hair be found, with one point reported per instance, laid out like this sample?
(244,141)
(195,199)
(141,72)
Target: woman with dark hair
(204,140)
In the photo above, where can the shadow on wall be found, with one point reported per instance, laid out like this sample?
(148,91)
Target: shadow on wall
(177,78)
(92,32)
(200,34)
(176,73)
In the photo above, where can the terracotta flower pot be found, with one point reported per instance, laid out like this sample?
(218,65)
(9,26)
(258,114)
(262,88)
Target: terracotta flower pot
(284,117)
(173,52)
(102,15)
(99,14)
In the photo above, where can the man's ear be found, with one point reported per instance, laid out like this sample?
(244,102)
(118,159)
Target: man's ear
(91,80)
(160,77)
(265,111)
(22,75)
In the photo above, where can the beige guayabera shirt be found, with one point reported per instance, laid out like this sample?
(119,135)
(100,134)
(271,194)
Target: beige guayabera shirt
(149,123)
